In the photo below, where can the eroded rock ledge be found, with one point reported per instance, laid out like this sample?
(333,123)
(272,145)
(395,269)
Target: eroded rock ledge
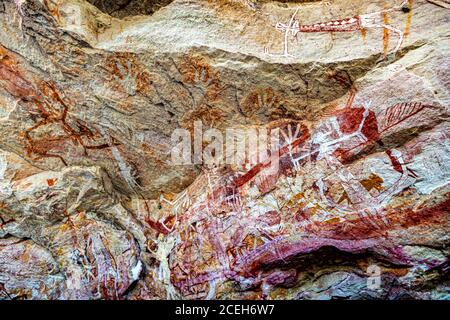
(91,206)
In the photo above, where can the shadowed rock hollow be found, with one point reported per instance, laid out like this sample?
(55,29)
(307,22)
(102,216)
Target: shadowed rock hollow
(92,207)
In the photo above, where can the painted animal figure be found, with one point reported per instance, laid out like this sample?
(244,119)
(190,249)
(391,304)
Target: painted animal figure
(357,23)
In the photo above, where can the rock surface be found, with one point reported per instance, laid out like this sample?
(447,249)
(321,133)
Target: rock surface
(92,207)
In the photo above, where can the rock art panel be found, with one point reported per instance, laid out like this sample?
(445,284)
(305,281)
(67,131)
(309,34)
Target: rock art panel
(311,141)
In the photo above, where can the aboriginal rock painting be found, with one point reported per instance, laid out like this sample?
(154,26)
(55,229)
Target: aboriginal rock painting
(96,267)
(361,23)
(337,164)
(245,223)
(441,3)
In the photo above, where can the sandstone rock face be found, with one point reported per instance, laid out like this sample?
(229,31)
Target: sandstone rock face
(351,202)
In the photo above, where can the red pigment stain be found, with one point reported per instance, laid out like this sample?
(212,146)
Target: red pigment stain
(349,120)
(363,34)
(397,219)
(271,218)
(350,236)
